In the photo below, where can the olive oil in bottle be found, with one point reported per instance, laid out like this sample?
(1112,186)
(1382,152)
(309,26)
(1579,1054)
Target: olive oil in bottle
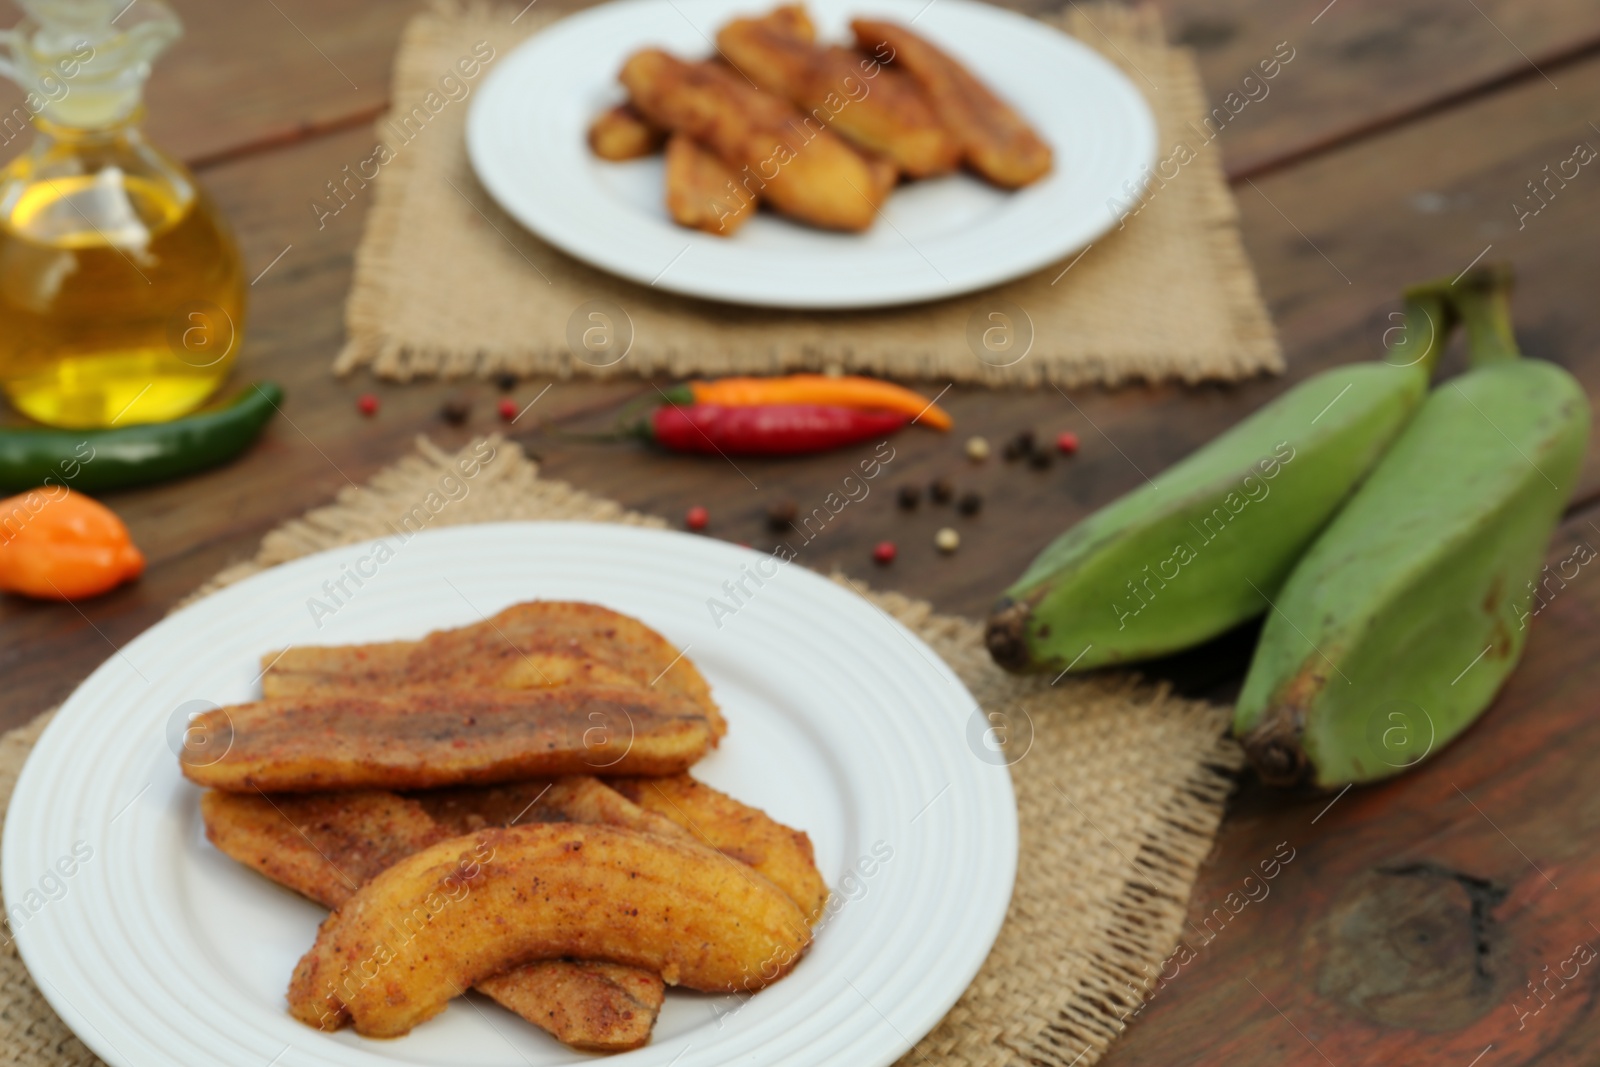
(121,289)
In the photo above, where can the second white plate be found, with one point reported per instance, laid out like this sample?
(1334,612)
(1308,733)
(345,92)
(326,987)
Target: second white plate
(158,950)
(526,139)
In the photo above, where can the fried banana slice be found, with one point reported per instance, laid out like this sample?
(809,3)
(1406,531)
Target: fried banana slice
(537,644)
(995,141)
(874,107)
(575,798)
(885,175)
(324,845)
(321,845)
(595,1007)
(702,193)
(675,806)
(620,133)
(791,19)
(425,738)
(737,830)
(470,907)
(788,160)
(893,119)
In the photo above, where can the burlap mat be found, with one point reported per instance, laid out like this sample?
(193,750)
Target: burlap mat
(446,283)
(1120,787)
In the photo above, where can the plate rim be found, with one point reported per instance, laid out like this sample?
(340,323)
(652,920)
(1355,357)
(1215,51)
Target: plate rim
(480,135)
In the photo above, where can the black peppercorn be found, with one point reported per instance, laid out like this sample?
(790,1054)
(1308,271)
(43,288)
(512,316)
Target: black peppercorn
(455,410)
(908,497)
(1040,460)
(505,381)
(970,503)
(941,491)
(781,515)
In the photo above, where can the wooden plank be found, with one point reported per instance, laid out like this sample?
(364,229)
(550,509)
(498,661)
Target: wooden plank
(1335,240)
(256,74)
(244,73)
(1359,65)
(1412,914)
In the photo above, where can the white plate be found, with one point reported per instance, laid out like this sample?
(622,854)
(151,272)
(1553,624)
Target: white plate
(158,950)
(526,128)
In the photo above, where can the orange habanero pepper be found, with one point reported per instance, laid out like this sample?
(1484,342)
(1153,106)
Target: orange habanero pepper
(59,545)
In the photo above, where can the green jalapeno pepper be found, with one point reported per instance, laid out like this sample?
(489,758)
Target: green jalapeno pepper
(94,460)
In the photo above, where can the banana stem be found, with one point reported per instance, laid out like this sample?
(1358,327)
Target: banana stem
(1483,300)
(1428,321)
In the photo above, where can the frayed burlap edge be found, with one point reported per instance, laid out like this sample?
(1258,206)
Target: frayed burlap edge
(1120,787)
(1243,344)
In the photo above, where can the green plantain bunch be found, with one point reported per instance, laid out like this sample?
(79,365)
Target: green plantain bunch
(1387,532)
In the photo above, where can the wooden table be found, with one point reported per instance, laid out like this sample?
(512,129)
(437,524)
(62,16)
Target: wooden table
(1392,149)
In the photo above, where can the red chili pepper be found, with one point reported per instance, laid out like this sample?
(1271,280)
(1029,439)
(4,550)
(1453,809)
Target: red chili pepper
(772,430)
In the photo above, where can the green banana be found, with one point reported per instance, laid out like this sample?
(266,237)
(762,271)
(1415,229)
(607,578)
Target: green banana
(1400,624)
(1190,555)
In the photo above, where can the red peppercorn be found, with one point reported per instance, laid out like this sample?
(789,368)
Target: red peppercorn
(367,404)
(1067,442)
(696,518)
(884,552)
(508,409)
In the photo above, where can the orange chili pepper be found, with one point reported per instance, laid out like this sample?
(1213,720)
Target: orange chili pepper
(847,391)
(59,545)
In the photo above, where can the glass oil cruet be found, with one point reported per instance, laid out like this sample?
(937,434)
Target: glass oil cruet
(121,288)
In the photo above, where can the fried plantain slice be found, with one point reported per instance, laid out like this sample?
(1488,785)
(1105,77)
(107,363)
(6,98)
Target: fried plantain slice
(536,644)
(702,193)
(893,120)
(674,806)
(876,108)
(324,845)
(620,133)
(737,830)
(791,19)
(424,738)
(321,845)
(470,907)
(595,1007)
(885,175)
(575,798)
(995,140)
(786,159)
